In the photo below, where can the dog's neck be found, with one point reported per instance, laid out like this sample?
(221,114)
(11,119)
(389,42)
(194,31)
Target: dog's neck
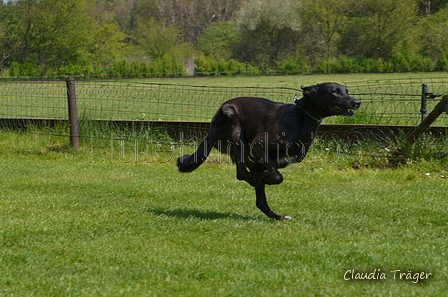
(303,105)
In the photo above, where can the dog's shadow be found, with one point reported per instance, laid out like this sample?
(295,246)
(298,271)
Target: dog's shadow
(198,214)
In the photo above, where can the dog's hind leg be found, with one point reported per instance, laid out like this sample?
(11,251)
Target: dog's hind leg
(188,163)
(240,156)
(227,116)
(262,204)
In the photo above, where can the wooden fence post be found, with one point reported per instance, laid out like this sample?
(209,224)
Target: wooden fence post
(433,115)
(441,107)
(72,112)
(423,101)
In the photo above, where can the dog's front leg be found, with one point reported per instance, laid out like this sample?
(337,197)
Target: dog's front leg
(271,175)
(262,204)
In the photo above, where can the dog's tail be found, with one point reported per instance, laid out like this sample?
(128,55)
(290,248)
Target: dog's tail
(188,163)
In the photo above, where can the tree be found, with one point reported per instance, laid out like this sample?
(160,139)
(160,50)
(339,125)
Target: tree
(431,6)
(192,16)
(107,43)
(220,10)
(217,40)
(323,21)
(429,37)
(53,31)
(50,34)
(10,41)
(155,39)
(377,26)
(117,12)
(268,29)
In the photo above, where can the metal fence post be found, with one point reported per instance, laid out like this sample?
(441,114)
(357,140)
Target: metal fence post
(72,112)
(423,106)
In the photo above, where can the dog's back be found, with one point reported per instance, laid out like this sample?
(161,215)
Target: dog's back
(238,112)
(254,115)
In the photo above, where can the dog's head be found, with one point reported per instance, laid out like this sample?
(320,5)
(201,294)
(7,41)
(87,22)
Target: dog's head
(331,99)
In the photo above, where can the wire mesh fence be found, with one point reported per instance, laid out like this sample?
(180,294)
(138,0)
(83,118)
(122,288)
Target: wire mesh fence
(33,99)
(392,102)
(396,102)
(128,115)
(122,100)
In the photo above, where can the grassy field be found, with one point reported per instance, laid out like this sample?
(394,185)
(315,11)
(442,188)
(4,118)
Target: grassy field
(388,99)
(295,81)
(116,218)
(76,226)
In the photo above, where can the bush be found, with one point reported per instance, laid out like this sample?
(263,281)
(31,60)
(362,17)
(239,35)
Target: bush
(167,65)
(373,65)
(350,64)
(171,66)
(164,66)
(295,64)
(71,69)
(328,65)
(442,63)
(206,66)
(404,61)
(25,69)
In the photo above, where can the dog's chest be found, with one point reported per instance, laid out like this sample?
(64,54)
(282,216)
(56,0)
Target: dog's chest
(286,149)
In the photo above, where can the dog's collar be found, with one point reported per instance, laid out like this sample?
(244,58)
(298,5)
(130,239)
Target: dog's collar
(295,98)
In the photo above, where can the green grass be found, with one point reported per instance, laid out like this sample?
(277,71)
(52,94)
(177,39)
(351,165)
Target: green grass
(76,225)
(295,81)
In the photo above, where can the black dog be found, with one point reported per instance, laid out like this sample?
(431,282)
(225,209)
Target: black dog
(262,136)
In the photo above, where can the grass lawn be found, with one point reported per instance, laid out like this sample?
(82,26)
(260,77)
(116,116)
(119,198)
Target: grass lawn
(75,226)
(295,81)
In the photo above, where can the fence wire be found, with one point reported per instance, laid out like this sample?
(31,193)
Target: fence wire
(396,102)
(117,114)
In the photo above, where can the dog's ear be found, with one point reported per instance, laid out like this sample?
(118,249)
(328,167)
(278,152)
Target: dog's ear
(307,91)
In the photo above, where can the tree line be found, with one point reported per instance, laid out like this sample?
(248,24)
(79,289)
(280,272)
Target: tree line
(210,37)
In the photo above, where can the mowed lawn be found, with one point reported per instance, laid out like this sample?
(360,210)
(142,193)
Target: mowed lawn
(75,226)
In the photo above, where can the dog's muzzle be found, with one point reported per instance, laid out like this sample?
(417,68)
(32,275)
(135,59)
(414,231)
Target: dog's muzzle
(356,104)
(352,105)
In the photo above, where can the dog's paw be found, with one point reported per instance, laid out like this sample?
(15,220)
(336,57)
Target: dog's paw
(265,175)
(182,160)
(285,218)
(271,179)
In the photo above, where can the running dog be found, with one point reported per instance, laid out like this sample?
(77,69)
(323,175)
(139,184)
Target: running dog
(262,136)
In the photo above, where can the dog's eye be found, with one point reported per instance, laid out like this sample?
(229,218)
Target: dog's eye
(337,92)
